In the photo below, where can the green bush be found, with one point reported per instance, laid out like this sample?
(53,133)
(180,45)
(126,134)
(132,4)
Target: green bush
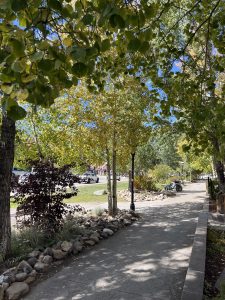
(143,182)
(161,173)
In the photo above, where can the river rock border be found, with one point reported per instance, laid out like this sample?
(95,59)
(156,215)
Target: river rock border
(14,282)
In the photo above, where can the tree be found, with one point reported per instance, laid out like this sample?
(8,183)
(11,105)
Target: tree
(48,45)
(161,148)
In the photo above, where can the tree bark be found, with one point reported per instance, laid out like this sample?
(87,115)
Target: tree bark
(114,183)
(219,166)
(132,205)
(7,140)
(109,185)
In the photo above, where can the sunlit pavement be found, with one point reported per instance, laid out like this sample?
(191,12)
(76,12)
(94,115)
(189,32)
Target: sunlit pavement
(148,260)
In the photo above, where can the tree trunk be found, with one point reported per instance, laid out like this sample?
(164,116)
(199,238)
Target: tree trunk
(7,140)
(114,183)
(218,165)
(109,185)
(220,174)
(132,206)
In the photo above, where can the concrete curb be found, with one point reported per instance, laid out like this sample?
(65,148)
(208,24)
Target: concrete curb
(194,281)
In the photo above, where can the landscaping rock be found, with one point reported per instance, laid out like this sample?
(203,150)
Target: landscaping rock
(10,271)
(47,259)
(9,278)
(30,280)
(104,235)
(34,253)
(108,231)
(89,243)
(100,192)
(169,193)
(1,292)
(59,254)
(48,251)
(5,285)
(67,247)
(32,261)
(77,247)
(127,222)
(16,290)
(1,279)
(21,276)
(94,238)
(40,267)
(32,277)
(41,256)
(25,267)
(128,216)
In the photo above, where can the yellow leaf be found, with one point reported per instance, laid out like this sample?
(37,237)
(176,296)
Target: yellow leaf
(67,42)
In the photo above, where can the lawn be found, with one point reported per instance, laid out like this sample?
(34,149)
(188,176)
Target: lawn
(86,193)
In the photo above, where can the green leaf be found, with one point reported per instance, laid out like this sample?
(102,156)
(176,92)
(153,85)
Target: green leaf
(79,69)
(6,78)
(18,5)
(22,94)
(46,65)
(7,88)
(148,34)
(8,103)
(36,56)
(18,47)
(91,52)
(134,45)
(23,22)
(43,45)
(28,78)
(79,54)
(117,21)
(150,11)
(144,47)
(88,19)
(105,45)
(18,66)
(16,112)
(55,4)
(5,4)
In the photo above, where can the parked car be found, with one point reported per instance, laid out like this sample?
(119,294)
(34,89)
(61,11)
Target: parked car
(89,177)
(18,172)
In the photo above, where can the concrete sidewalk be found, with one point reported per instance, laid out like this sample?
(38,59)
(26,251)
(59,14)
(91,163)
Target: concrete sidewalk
(148,260)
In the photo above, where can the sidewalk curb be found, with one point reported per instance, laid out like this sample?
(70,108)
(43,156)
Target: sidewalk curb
(194,281)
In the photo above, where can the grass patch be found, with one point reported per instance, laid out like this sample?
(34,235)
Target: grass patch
(13,204)
(86,193)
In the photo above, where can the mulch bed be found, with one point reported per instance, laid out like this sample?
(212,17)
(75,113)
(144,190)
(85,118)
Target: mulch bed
(215,257)
(215,261)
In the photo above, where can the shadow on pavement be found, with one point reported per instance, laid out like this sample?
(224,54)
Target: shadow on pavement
(148,260)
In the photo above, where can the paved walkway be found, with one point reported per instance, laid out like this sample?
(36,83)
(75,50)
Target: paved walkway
(146,261)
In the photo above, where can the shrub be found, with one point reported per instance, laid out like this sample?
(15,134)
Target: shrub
(161,173)
(143,182)
(40,196)
(68,231)
(98,211)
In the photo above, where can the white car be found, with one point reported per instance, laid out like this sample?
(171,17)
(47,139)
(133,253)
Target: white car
(18,172)
(89,177)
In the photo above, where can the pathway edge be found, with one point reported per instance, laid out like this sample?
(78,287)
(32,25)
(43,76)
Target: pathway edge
(194,281)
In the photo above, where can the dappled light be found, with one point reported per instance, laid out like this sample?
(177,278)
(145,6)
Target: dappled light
(145,261)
